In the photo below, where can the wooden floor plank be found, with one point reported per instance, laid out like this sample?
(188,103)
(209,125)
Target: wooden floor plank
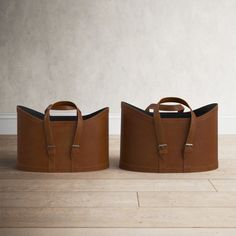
(105,185)
(118,217)
(68,199)
(187,199)
(227,148)
(224,184)
(118,232)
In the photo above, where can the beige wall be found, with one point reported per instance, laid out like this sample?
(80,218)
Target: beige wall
(98,53)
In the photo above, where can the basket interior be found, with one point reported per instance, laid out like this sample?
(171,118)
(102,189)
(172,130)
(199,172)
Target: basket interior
(40,115)
(199,112)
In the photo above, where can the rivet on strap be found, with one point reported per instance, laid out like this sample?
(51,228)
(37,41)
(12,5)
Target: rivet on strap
(162,149)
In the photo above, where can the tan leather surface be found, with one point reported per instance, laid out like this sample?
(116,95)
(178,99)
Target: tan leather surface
(167,142)
(62,145)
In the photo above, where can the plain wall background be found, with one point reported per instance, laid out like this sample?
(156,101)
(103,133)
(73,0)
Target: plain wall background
(99,52)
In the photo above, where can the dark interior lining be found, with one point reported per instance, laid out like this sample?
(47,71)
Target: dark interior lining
(40,115)
(199,112)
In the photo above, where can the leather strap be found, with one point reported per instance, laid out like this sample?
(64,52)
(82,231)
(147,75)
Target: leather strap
(51,147)
(160,134)
(63,107)
(163,107)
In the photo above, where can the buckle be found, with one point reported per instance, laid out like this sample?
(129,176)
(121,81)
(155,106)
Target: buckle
(163,145)
(188,144)
(162,149)
(51,151)
(75,145)
(188,147)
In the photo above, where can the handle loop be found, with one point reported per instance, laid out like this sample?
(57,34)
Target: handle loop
(51,147)
(177,107)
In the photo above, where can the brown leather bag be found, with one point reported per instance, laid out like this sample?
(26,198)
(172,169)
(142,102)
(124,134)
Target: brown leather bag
(61,143)
(169,141)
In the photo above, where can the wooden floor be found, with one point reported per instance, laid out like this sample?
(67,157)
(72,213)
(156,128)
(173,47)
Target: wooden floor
(117,202)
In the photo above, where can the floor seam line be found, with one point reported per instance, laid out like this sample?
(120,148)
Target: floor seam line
(138,199)
(212,185)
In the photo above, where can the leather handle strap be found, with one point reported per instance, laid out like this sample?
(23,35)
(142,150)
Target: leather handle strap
(51,147)
(164,107)
(160,135)
(62,105)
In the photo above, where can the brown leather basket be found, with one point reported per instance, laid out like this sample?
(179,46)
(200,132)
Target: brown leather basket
(169,141)
(61,143)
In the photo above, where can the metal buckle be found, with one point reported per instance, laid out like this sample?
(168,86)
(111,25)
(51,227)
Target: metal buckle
(188,144)
(76,145)
(162,145)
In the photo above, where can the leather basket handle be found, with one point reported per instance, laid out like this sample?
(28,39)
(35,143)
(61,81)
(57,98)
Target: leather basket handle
(62,105)
(160,135)
(163,107)
(51,147)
